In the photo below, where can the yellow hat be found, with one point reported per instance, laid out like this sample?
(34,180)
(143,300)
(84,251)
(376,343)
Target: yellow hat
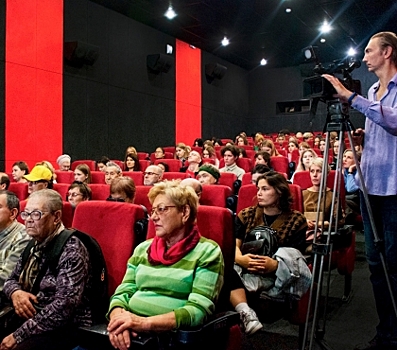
(38,173)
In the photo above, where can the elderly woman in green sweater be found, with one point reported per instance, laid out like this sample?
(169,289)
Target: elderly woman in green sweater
(172,280)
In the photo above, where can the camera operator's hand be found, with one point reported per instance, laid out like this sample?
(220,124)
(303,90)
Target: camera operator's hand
(342,92)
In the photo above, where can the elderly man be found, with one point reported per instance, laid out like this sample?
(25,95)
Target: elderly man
(4,181)
(13,237)
(49,318)
(111,172)
(208,174)
(230,155)
(195,184)
(39,178)
(152,175)
(64,162)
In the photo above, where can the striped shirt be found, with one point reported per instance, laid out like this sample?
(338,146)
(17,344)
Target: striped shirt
(189,287)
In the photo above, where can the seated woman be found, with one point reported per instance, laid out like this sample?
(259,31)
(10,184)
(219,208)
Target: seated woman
(159,153)
(101,163)
(131,162)
(268,146)
(273,210)
(305,160)
(19,169)
(311,196)
(209,152)
(82,173)
(173,280)
(122,189)
(78,192)
(182,152)
(352,193)
(262,157)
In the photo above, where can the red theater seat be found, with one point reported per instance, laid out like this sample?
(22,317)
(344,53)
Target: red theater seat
(62,189)
(141,197)
(227,179)
(20,189)
(174,175)
(65,177)
(279,164)
(137,176)
(100,191)
(215,195)
(98,177)
(91,164)
(174,165)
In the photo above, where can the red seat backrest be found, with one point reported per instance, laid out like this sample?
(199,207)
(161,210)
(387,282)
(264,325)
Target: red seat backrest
(246,180)
(227,179)
(120,163)
(20,189)
(142,155)
(246,197)
(91,164)
(295,156)
(98,177)
(279,164)
(137,176)
(144,163)
(167,155)
(65,177)
(112,225)
(215,195)
(62,189)
(174,164)
(100,191)
(208,160)
(172,175)
(141,197)
(170,149)
(296,192)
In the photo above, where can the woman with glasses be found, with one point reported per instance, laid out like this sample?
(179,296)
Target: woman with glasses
(39,178)
(82,173)
(122,189)
(172,280)
(77,193)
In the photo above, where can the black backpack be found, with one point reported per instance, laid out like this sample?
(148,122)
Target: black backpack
(98,294)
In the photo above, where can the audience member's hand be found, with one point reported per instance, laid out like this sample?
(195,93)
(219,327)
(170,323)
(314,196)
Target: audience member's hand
(120,341)
(8,343)
(352,168)
(22,302)
(311,224)
(358,136)
(245,260)
(262,265)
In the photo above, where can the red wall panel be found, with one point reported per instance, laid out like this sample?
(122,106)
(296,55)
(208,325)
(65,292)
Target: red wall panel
(188,93)
(33,79)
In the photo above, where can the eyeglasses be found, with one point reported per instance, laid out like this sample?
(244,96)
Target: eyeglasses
(111,199)
(150,173)
(161,209)
(36,215)
(35,182)
(74,194)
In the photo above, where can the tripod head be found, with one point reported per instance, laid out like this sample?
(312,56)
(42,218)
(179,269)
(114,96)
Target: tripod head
(338,118)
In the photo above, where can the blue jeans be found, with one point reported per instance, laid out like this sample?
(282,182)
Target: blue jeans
(384,210)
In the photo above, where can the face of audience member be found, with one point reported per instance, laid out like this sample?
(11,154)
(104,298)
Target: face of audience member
(34,186)
(110,174)
(179,152)
(316,141)
(307,159)
(291,147)
(168,220)
(120,196)
(42,228)
(17,173)
(194,157)
(159,154)
(336,148)
(206,154)
(260,160)
(79,176)
(267,195)
(7,216)
(267,150)
(322,146)
(162,167)
(130,162)
(229,158)
(75,196)
(151,175)
(65,165)
(315,175)
(240,141)
(205,178)
(101,167)
(254,177)
(348,159)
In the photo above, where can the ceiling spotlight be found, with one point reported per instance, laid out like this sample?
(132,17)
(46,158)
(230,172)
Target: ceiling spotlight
(288,10)
(351,52)
(263,62)
(170,13)
(225,41)
(325,28)
(322,40)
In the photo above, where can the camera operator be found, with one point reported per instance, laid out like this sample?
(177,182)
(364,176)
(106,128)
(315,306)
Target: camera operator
(379,168)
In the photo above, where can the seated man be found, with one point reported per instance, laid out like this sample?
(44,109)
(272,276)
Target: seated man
(64,162)
(39,178)
(111,172)
(152,175)
(195,184)
(208,174)
(4,181)
(48,318)
(230,155)
(13,237)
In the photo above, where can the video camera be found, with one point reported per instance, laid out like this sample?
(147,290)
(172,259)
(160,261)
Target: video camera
(318,87)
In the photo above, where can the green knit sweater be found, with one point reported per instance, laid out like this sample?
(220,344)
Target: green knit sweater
(189,287)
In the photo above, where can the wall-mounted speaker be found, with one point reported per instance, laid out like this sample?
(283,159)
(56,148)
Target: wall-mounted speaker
(214,71)
(159,63)
(77,53)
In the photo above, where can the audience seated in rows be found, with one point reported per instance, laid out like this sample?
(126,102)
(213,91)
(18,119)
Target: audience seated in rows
(152,175)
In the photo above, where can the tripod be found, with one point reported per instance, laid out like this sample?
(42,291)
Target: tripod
(337,120)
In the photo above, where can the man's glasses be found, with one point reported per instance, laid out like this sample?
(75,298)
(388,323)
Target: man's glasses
(36,215)
(149,173)
(161,209)
(74,194)
(35,182)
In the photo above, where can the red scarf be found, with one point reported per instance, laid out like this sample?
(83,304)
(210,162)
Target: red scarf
(158,254)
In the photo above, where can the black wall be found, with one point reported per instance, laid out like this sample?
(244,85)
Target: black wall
(2,85)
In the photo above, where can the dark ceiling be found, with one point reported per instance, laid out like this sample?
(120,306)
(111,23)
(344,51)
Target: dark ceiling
(262,28)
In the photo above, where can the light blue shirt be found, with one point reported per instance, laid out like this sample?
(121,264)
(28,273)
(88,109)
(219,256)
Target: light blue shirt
(379,158)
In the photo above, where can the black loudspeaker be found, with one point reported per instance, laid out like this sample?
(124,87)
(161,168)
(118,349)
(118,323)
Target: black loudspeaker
(214,71)
(77,53)
(159,63)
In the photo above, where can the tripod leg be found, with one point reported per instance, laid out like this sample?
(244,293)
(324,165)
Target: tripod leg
(348,287)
